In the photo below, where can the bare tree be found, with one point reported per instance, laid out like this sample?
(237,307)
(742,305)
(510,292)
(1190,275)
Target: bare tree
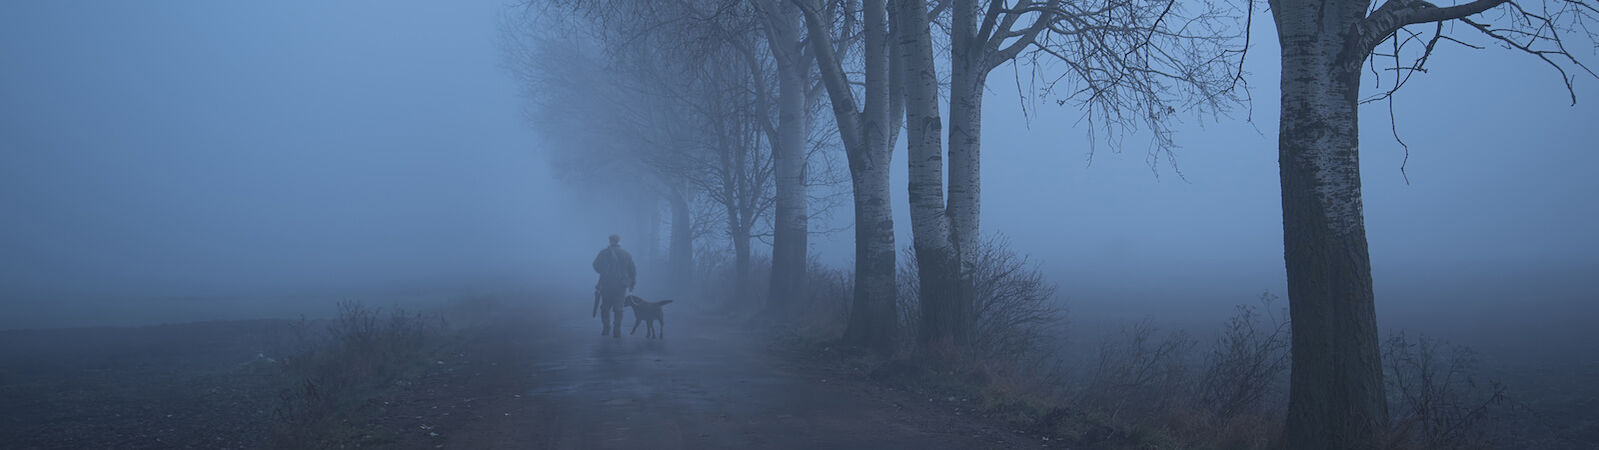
(769,36)
(945,233)
(736,172)
(1120,58)
(718,107)
(1135,64)
(867,130)
(1336,395)
(783,24)
(589,109)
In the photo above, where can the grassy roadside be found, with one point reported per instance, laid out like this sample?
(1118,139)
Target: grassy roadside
(331,387)
(1148,388)
(344,381)
(1025,402)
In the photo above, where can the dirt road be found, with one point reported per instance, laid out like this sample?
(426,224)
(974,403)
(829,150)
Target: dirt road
(562,385)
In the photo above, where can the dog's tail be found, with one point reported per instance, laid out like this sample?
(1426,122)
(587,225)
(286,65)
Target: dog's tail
(664,302)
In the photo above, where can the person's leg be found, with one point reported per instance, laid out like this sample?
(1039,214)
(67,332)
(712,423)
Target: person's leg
(616,323)
(613,297)
(604,312)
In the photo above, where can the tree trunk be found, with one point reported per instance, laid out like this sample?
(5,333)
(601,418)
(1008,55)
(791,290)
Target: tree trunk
(1336,398)
(740,219)
(874,320)
(741,268)
(681,252)
(649,229)
(790,228)
(968,76)
(936,261)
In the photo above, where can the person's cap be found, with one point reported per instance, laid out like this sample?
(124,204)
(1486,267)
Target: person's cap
(615,239)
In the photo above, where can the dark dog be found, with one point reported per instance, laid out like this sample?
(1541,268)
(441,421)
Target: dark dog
(647,313)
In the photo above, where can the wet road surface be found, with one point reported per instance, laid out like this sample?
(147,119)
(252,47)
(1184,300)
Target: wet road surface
(704,386)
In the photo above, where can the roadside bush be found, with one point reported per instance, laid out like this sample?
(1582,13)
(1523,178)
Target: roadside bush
(1247,362)
(1142,388)
(1241,396)
(716,280)
(1155,391)
(1434,398)
(340,364)
(1015,307)
(1139,375)
(830,294)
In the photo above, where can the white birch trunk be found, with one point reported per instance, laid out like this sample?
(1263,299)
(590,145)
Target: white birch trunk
(969,68)
(866,135)
(936,260)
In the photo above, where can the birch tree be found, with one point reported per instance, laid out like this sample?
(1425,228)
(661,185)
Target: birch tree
(937,257)
(1117,59)
(867,129)
(944,233)
(1336,398)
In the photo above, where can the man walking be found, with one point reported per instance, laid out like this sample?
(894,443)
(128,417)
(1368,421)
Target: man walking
(617,276)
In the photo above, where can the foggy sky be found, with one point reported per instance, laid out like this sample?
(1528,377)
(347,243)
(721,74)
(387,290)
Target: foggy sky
(204,149)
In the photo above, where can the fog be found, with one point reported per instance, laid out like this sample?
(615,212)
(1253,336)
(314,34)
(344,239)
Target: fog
(304,224)
(198,150)
(191,160)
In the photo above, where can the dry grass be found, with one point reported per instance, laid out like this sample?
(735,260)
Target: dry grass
(339,365)
(1145,388)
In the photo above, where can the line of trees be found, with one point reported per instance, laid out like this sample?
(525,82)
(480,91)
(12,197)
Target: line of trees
(717,102)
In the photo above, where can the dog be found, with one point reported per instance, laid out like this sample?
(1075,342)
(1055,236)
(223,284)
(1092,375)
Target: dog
(647,313)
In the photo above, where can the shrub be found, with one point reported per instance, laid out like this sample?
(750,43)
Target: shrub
(830,295)
(1139,375)
(1015,307)
(339,364)
(1142,384)
(1434,398)
(1247,361)
(716,275)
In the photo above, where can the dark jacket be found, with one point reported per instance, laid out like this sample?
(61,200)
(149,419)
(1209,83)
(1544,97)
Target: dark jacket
(615,267)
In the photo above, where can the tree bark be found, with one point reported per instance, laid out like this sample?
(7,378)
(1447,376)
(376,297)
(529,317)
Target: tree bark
(741,268)
(874,319)
(866,133)
(681,251)
(937,263)
(791,225)
(649,227)
(969,66)
(1336,398)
